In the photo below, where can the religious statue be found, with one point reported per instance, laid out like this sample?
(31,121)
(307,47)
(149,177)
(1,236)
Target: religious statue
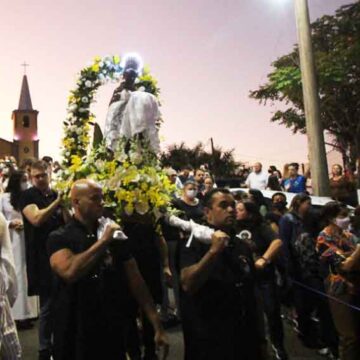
(132,112)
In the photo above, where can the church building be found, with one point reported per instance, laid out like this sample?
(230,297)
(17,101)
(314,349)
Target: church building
(25,142)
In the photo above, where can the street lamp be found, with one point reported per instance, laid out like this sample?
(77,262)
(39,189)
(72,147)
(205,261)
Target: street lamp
(314,129)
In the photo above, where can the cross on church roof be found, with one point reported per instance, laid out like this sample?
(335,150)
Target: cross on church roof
(25,65)
(25,99)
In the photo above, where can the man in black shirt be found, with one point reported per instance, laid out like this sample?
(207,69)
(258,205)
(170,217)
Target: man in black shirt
(96,277)
(42,213)
(218,300)
(199,177)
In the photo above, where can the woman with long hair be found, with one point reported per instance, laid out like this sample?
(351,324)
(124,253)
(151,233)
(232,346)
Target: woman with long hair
(266,246)
(298,233)
(335,245)
(258,198)
(208,186)
(25,307)
(341,187)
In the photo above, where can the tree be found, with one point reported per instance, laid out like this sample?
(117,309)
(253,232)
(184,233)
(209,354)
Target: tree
(336,42)
(221,163)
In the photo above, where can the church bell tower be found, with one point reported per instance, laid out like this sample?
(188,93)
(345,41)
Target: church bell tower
(25,126)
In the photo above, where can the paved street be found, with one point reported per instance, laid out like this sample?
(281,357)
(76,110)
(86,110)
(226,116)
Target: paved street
(296,350)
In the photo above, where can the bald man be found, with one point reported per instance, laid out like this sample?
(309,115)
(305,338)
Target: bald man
(257,179)
(96,279)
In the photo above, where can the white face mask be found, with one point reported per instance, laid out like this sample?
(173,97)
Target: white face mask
(191,194)
(24,186)
(343,223)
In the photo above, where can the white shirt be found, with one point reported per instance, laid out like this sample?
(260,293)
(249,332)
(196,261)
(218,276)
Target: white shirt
(257,181)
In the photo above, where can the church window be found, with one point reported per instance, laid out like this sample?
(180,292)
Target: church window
(26,121)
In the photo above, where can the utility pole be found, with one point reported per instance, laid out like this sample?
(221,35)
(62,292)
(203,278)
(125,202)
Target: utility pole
(212,153)
(314,129)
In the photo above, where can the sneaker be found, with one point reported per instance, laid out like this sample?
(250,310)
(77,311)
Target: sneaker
(324,351)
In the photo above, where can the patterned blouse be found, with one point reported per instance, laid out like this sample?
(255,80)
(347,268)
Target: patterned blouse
(333,247)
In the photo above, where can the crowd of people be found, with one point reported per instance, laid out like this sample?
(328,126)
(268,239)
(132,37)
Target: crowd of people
(342,183)
(102,293)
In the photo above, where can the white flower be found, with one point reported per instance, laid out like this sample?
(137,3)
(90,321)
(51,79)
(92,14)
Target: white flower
(135,158)
(101,64)
(72,107)
(100,164)
(88,83)
(102,79)
(85,100)
(108,63)
(141,88)
(82,110)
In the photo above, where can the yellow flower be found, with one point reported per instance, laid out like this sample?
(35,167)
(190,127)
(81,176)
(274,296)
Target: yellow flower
(76,163)
(131,175)
(129,209)
(66,142)
(110,167)
(144,186)
(120,194)
(95,67)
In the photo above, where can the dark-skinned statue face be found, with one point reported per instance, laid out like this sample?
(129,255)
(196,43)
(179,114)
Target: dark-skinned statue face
(132,65)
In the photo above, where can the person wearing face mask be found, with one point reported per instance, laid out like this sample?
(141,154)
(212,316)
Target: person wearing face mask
(189,204)
(336,245)
(25,307)
(278,209)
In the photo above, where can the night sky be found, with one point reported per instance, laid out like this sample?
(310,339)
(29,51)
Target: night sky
(206,54)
